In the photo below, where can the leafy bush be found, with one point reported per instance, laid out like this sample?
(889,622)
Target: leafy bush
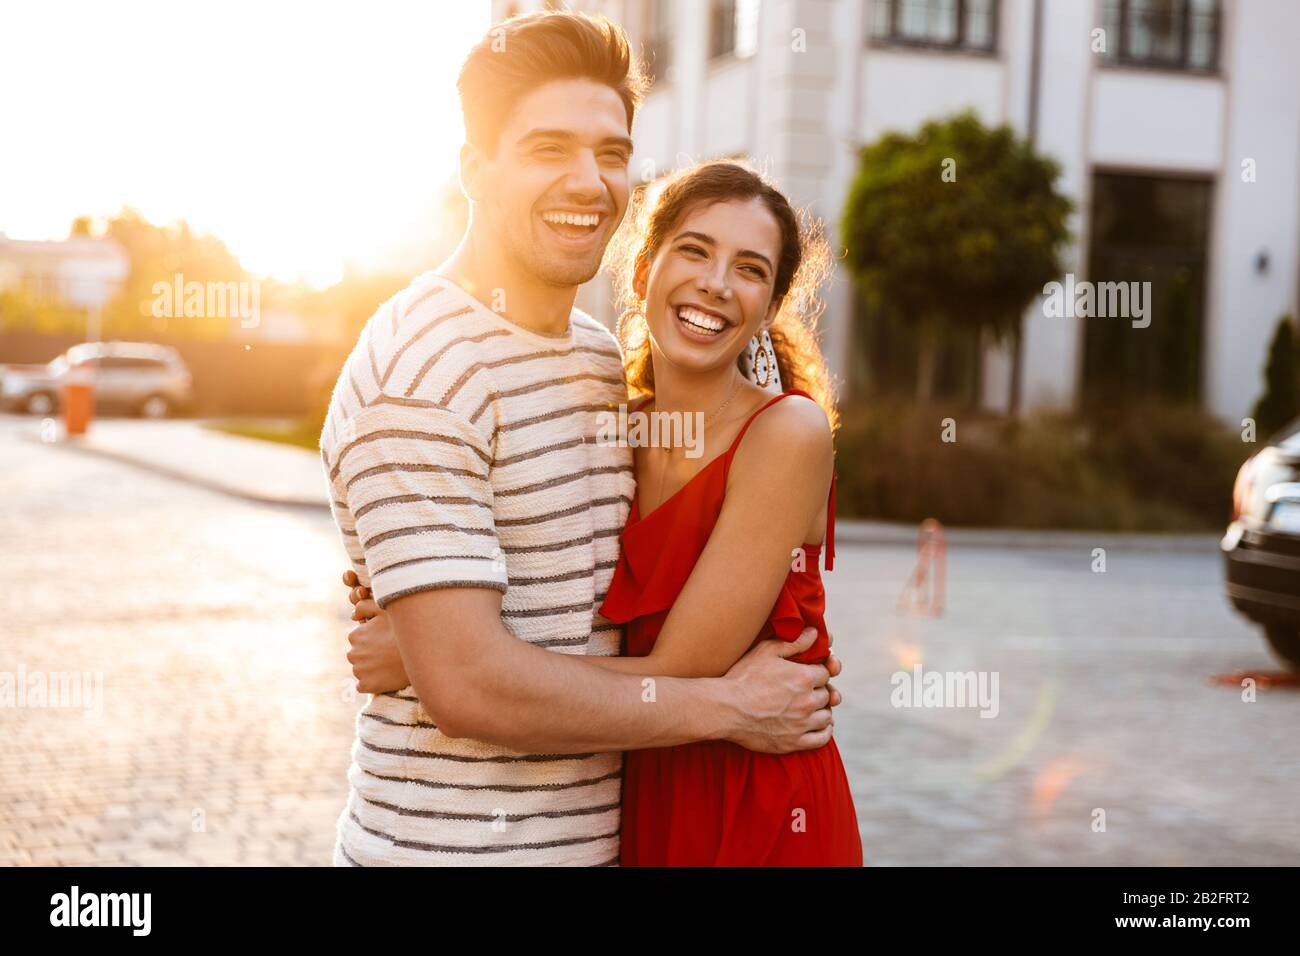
(1155,470)
(1280,401)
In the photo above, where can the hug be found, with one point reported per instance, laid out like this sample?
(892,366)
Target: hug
(587,652)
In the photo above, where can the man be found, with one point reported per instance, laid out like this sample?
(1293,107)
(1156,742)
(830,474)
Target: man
(479,510)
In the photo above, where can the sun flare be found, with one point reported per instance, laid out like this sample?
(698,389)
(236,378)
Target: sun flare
(305,136)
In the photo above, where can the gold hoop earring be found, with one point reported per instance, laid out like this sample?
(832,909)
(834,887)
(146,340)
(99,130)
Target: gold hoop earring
(627,324)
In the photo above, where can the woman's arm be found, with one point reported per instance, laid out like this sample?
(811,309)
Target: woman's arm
(777,486)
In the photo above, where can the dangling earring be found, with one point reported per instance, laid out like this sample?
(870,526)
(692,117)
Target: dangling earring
(632,321)
(760,363)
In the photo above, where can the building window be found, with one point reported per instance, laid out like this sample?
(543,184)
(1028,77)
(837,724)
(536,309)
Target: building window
(658,46)
(733,28)
(1167,34)
(943,24)
(1147,229)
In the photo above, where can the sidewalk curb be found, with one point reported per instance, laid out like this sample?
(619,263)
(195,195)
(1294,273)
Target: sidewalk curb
(177,475)
(904,535)
(847,531)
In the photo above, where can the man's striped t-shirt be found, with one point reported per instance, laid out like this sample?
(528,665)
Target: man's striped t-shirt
(461,451)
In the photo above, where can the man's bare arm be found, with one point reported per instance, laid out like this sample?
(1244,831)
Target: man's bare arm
(378,667)
(478,680)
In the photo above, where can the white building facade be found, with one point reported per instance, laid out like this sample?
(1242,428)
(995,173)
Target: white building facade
(80,271)
(1176,124)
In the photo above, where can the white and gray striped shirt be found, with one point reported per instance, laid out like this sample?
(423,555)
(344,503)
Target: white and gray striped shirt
(460,451)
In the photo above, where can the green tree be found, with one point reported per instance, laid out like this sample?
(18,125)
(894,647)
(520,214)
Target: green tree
(1280,401)
(158,254)
(20,311)
(954,229)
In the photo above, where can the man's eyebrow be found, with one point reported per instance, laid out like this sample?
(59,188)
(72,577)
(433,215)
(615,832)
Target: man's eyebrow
(743,253)
(546,134)
(568,136)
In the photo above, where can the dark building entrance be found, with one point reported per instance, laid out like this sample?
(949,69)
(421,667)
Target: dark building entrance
(1148,229)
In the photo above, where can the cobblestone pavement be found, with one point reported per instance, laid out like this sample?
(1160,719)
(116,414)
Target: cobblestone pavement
(219,627)
(222,732)
(1105,704)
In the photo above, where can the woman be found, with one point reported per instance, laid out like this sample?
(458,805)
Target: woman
(725,545)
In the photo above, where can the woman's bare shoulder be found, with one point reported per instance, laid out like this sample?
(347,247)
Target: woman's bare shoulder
(795,431)
(794,422)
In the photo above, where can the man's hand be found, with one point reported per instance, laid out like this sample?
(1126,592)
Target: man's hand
(788,705)
(372,652)
(833,665)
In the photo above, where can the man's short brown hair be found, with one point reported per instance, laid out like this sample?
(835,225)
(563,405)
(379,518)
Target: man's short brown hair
(520,54)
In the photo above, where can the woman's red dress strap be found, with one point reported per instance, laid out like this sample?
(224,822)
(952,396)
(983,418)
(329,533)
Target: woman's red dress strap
(735,443)
(830,527)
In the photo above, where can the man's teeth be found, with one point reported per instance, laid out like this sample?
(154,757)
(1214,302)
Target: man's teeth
(700,320)
(572,218)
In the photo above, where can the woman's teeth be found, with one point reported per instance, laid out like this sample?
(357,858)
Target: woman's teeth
(700,321)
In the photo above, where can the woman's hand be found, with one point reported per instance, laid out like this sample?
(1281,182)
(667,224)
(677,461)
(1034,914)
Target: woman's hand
(359,595)
(372,649)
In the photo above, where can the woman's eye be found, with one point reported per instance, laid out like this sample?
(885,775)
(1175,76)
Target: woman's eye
(549,151)
(755,271)
(693,250)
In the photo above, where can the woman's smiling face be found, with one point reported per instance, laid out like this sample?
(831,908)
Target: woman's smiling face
(708,289)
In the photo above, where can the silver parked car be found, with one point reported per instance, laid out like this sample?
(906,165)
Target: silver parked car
(137,377)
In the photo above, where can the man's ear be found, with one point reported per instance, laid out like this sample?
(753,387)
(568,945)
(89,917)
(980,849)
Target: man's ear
(472,164)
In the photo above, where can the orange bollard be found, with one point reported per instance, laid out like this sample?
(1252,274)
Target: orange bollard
(78,406)
(924,591)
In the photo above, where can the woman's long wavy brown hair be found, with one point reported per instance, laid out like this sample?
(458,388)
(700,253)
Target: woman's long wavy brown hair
(802,267)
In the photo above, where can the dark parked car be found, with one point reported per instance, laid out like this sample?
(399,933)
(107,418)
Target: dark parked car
(138,377)
(1261,549)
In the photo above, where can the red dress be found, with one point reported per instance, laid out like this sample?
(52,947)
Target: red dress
(714,803)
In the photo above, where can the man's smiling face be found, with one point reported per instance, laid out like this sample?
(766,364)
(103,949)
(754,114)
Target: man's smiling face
(557,186)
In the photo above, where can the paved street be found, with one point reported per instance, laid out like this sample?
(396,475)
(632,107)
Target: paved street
(1105,704)
(220,629)
(218,626)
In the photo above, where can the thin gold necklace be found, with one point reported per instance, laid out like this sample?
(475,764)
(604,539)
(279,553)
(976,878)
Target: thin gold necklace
(735,387)
(663,473)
